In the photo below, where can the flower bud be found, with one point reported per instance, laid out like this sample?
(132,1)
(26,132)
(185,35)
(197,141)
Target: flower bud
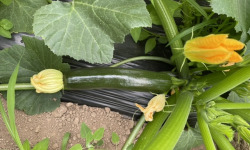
(157,104)
(48,81)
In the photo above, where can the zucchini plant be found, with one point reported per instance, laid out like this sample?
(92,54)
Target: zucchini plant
(209,53)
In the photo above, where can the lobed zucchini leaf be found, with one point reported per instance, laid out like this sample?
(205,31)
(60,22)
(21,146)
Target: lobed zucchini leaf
(235,9)
(35,57)
(189,139)
(20,13)
(88,29)
(35,103)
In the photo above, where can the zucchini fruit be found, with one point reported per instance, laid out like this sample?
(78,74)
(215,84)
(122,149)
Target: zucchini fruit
(118,78)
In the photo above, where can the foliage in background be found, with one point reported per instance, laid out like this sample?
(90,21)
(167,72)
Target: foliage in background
(237,10)
(5,26)
(20,13)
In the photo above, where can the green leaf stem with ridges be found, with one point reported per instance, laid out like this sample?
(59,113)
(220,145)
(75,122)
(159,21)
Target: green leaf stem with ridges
(170,133)
(171,31)
(152,128)
(225,85)
(221,141)
(225,106)
(165,60)
(244,113)
(204,129)
(18,86)
(134,133)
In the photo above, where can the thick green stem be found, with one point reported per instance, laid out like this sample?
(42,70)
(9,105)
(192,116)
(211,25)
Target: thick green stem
(134,133)
(170,133)
(165,60)
(152,128)
(18,86)
(171,31)
(225,106)
(215,77)
(221,141)
(244,113)
(205,132)
(225,85)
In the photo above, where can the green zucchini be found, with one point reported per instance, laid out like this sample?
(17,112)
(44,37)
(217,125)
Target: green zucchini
(118,78)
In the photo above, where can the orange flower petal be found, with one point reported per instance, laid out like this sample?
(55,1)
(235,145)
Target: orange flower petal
(232,44)
(209,56)
(235,57)
(208,42)
(140,107)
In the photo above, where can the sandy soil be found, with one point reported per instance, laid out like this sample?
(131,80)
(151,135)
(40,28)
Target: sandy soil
(67,118)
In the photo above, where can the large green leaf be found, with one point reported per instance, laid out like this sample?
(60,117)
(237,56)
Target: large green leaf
(88,29)
(33,103)
(35,57)
(238,9)
(234,97)
(20,13)
(189,139)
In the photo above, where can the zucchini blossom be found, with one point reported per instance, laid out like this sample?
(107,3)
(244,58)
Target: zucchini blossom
(156,104)
(48,81)
(213,49)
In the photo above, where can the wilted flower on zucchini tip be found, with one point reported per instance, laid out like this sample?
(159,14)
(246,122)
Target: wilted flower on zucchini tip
(156,104)
(48,81)
(213,49)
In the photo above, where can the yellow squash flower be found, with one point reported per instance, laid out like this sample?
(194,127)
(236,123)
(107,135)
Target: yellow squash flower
(213,49)
(48,81)
(156,104)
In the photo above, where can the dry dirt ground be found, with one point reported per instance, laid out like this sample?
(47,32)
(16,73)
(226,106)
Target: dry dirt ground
(68,118)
